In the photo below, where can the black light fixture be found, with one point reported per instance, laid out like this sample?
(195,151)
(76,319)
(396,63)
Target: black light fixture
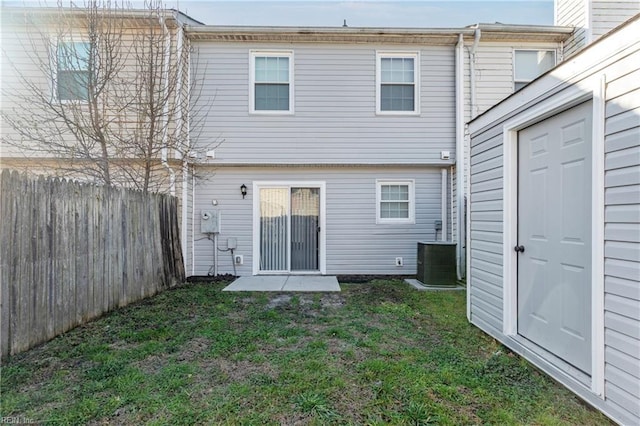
(243,190)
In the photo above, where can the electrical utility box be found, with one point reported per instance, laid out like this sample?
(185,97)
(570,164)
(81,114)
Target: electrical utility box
(210,221)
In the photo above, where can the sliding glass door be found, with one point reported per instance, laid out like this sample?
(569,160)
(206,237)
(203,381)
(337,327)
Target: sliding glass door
(289,229)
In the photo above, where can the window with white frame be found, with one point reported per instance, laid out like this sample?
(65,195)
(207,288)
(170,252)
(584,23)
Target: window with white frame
(395,201)
(72,72)
(529,64)
(271,82)
(397,82)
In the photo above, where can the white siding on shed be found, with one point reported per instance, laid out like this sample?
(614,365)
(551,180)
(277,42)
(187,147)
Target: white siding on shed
(485,252)
(615,58)
(622,238)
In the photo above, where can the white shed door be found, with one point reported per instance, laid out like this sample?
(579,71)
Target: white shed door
(554,235)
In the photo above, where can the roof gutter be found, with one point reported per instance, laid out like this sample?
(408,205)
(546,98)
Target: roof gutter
(466,31)
(374,35)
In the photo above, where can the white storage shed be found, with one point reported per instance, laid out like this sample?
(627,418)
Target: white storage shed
(554,219)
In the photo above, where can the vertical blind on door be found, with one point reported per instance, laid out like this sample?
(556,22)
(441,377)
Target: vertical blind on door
(274,230)
(305,211)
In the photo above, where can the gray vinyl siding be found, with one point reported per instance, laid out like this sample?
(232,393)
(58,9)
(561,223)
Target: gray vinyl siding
(573,13)
(608,14)
(622,241)
(19,48)
(621,259)
(355,244)
(335,119)
(485,252)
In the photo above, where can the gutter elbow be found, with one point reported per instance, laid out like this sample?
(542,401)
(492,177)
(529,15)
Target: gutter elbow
(476,38)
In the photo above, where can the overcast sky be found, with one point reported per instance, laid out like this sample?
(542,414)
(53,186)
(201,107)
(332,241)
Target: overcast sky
(370,13)
(358,13)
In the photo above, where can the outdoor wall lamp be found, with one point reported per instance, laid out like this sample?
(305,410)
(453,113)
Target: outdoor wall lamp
(243,190)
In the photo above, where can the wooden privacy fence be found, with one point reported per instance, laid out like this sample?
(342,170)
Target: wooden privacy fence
(71,251)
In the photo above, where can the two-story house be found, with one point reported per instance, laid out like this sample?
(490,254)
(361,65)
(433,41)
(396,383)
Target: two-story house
(97,93)
(335,150)
(338,146)
(355,137)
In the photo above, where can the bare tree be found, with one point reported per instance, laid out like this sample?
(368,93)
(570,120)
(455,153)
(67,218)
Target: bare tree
(117,103)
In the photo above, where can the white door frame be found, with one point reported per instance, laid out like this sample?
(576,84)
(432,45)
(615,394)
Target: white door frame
(322,242)
(593,89)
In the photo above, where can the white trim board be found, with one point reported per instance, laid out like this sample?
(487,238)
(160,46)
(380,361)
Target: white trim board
(549,107)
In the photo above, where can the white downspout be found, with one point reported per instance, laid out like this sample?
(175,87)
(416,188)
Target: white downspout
(165,108)
(193,221)
(443,205)
(180,123)
(463,179)
(472,72)
(467,191)
(459,84)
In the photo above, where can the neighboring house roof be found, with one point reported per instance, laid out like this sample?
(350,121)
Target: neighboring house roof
(490,32)
(185,19)
(12,13)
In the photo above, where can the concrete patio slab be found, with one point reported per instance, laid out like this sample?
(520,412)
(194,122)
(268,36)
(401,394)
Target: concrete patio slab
(419,286)
(312,283)
(284,283)
(257,283)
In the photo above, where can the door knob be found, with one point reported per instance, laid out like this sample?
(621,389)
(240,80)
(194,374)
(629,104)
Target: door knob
(519,249)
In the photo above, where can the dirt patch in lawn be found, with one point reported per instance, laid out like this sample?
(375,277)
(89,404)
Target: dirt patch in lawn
(279,301)
(223,371)
(152,364)
(193,348)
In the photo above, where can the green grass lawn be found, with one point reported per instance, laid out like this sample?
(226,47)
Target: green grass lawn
(378,353)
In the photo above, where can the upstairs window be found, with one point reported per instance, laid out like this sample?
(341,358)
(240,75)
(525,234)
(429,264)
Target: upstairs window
(395,201)
(397,83)
(271,82)
(72,71)
(529,64)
